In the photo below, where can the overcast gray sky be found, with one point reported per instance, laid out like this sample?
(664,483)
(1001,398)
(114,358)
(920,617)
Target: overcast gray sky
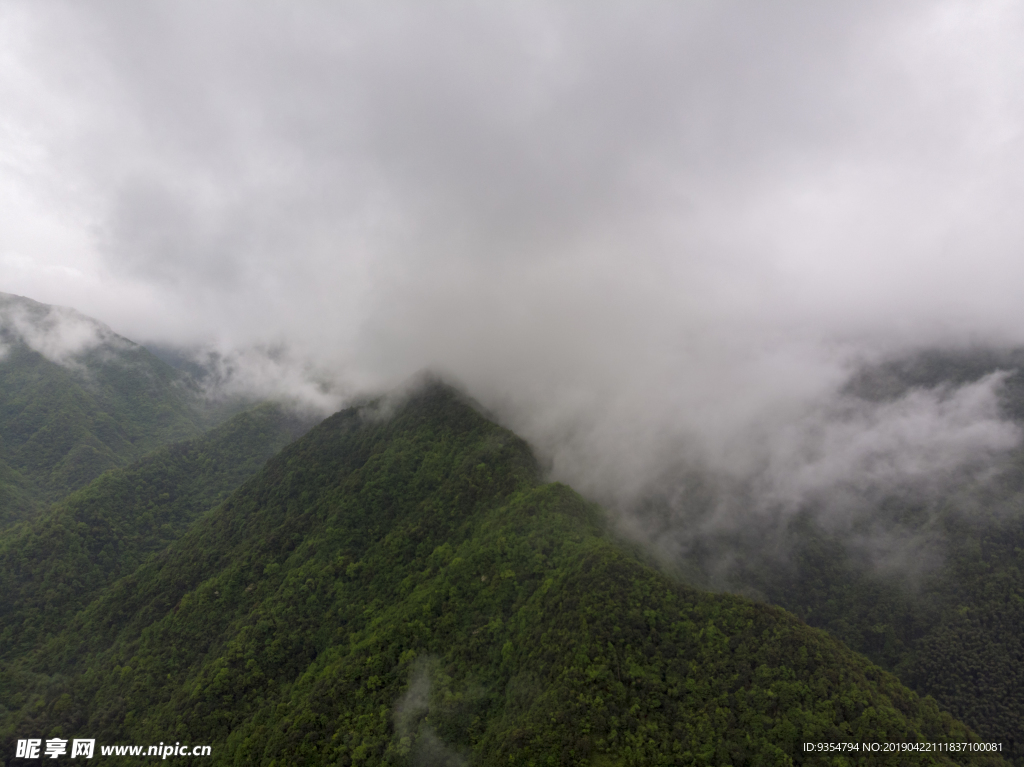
(631,228)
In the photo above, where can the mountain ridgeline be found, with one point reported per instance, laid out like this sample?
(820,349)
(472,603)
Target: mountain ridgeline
(948,617)
(54,565)
(956,632)
(399,586)
(75,400)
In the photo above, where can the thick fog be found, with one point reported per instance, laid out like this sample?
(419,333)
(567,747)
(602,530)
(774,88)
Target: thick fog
(648,236)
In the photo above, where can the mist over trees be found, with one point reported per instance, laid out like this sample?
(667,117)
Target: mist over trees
(747,277)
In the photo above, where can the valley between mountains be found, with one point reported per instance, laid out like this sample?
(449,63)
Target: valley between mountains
(400,583)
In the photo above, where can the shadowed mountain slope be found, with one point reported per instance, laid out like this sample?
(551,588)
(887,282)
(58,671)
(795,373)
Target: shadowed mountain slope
(75,400)
(947,613)
(399,587)
(55,564)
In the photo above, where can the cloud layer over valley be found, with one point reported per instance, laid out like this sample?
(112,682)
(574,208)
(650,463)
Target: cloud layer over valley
(649,236)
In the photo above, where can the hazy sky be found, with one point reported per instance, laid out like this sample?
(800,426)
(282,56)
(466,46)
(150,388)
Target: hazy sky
(631,228)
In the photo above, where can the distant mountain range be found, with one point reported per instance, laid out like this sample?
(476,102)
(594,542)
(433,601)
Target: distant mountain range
(952,626)
(399,585)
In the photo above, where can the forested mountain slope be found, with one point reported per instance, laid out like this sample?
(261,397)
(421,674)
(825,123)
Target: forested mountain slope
(75,400)
(951,626)
(55,564)
(957,635)
(398,587)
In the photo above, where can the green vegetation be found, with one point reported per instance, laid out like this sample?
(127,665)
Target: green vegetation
(62,425)
(950,625)
(399,588)
(955,633)
(55,564)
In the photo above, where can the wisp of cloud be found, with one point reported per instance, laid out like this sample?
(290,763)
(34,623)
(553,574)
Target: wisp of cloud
(652,237)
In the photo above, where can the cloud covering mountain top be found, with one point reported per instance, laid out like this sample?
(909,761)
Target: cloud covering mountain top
(634,230)
(58,333)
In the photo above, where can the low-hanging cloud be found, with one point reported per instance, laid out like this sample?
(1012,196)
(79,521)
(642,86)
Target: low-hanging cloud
(58,333)
(416,738)
(648,236)
(922,442)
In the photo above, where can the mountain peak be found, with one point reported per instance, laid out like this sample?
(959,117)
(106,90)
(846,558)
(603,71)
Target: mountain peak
(398,587)
(76,399)
(59,333)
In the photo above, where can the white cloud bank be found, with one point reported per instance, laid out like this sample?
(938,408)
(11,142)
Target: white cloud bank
(58,333)
(641,232)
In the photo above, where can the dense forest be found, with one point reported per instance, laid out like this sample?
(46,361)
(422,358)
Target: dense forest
(53,566)
(951,627)
(71,410)
(407,589)
(399,584)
